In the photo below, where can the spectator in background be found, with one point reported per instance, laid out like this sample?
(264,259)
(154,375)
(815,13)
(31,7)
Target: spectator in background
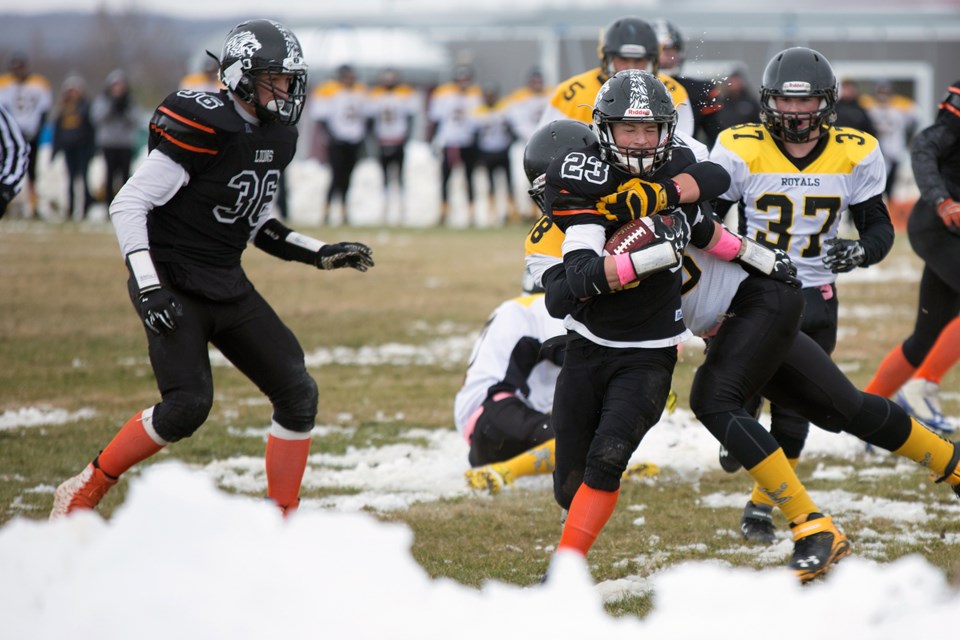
(73,134)
(850,110)
(14,152)
(27,98)
(393,106)
(450,129)
(339,109)
(704,94)
(494,139)
(207,78)
(894,120)
(740,106)
(117,120)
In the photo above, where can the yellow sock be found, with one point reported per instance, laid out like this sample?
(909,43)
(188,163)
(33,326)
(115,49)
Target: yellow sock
(759,497)
(783,489)
(927,448)
(540,459)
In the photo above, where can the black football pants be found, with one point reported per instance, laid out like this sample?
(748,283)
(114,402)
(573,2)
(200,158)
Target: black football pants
(605,402)
(820,323)
(251,336)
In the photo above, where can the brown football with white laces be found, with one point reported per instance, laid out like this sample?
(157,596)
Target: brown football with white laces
(633,235)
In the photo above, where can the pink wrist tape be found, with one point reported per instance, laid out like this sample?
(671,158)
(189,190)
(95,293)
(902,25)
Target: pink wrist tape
(625,270)
(728,247)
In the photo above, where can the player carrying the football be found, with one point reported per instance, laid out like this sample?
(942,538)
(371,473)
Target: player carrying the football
(183,221)
(620,358)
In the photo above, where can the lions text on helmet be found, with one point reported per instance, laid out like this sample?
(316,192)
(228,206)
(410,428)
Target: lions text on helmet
(262,64)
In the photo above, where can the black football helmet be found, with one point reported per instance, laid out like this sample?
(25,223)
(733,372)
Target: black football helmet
(551,141)
(629,37)
(264,46)
(798,72)
(670,38)
(635,96)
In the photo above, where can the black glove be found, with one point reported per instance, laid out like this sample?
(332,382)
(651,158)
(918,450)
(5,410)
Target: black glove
(843,255)
(784,270)
(672,228)
(160,310)
(768,261)
(638,198)
(345,254)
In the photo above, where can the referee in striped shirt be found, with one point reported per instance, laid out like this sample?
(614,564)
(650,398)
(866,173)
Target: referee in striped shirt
(13,159)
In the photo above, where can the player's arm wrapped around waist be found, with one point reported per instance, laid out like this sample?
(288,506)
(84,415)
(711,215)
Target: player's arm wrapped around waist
(755,257)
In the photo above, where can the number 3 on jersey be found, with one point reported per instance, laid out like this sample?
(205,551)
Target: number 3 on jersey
(254,194)
(779,231)
(580,166)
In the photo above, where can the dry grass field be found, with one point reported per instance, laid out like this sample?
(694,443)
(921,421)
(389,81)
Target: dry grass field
(69,339)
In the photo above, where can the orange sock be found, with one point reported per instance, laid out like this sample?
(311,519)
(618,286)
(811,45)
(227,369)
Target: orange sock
(893,372)
(589,512)
(133,444)
(943,355)
(286,460)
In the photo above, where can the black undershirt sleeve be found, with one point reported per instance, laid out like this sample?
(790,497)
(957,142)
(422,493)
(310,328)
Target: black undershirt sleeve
(272,238)
(872,221)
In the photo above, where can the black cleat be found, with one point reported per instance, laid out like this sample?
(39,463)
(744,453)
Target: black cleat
(817,546)
(757,523)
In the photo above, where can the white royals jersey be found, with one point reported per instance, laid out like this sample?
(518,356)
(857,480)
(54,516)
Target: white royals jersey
(709,285)
(492,127)
(26,101)
(524,110)
(391,110)
(525,316)
(450,107)
(342,108)
(793,209)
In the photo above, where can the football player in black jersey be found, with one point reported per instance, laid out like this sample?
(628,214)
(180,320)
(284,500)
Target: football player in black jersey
(183,221)
(619,361)
(749,320)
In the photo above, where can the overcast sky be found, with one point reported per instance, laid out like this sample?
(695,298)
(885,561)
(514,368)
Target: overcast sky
(331,8)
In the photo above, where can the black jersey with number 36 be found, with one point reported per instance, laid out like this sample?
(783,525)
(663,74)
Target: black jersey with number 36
(234,168)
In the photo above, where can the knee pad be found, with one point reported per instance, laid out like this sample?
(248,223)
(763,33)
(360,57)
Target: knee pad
(295,406)
(180,414)
(711,394)
(606,462)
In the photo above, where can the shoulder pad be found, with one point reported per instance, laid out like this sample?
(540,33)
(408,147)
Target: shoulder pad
(745,140)
(192,120)
(677,91)
(856,142)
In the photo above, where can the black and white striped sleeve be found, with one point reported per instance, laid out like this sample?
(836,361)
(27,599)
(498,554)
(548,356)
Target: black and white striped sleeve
(13,156)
